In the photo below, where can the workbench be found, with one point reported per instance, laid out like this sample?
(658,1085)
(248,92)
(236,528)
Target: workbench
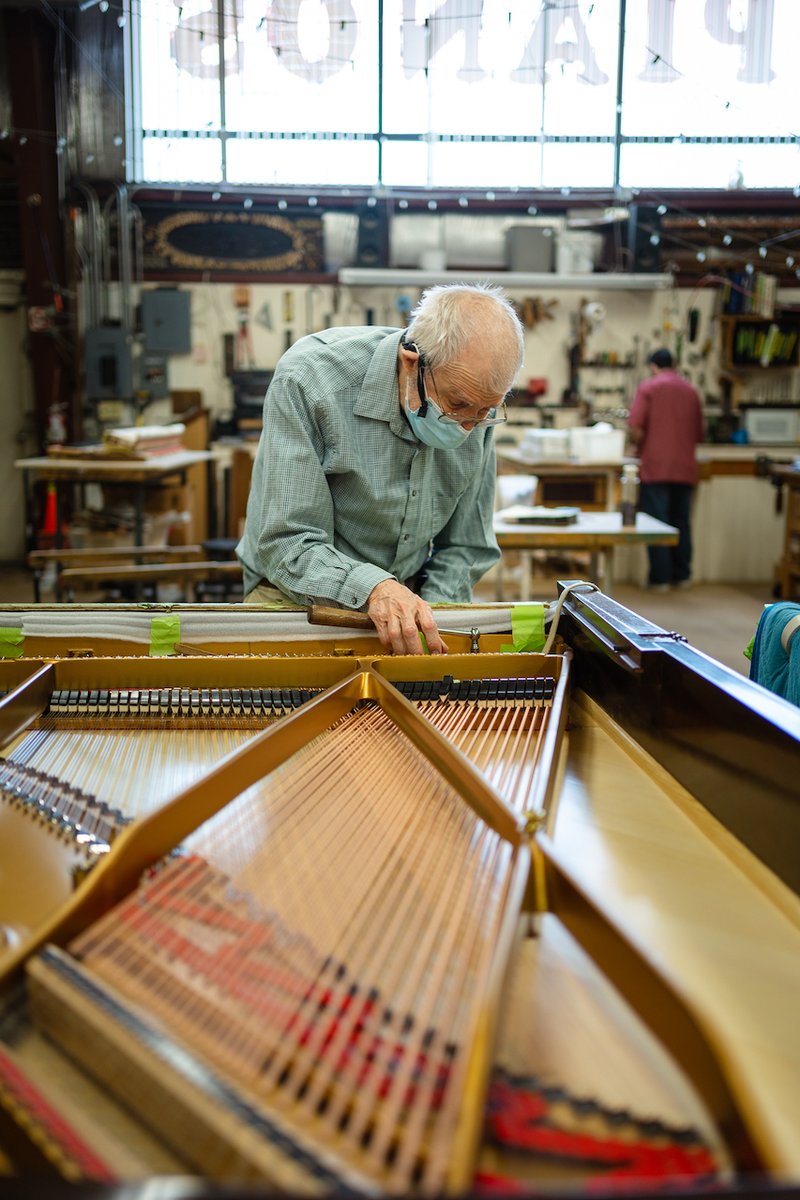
(599,533)
(136,474)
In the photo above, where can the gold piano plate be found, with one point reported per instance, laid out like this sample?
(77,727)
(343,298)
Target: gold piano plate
(227,895)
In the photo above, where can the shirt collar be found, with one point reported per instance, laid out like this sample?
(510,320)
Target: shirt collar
(379,397)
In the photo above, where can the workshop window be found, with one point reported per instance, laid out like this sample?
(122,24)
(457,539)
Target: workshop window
(461,93)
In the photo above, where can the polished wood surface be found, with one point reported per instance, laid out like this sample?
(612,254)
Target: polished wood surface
(725,930)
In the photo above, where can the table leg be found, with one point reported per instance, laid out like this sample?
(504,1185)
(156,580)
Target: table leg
(138,530)
(525,582)
(498,579)
(606,583)
(138,518)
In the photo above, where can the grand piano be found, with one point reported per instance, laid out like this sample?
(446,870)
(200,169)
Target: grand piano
(279,911)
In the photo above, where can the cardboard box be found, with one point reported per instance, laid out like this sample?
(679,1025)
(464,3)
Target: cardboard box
(175,498)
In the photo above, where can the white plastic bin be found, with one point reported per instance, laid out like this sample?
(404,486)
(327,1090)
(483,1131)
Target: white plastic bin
(596,445)
(545,443)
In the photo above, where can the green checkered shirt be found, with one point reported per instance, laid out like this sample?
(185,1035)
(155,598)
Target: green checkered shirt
(343,495)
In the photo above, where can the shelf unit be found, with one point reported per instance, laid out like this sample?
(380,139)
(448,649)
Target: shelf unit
(618,366)
(611,281)
(744,339)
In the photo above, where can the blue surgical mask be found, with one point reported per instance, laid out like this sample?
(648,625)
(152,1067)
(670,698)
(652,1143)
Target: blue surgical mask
(443,435)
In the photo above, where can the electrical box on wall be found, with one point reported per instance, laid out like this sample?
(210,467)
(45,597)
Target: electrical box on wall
(153,376)
(166,321)
(107,356)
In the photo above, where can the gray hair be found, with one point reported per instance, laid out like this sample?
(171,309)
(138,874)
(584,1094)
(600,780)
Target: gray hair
(450,316)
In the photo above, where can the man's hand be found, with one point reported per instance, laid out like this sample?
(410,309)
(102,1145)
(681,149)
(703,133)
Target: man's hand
(400,616)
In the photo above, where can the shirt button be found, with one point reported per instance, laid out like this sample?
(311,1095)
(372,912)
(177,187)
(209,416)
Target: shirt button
(405,537)
(355,600)
(414,492)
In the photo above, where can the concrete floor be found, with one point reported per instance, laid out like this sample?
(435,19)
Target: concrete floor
(718,619)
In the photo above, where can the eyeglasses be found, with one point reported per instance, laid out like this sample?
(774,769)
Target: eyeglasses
(484,423)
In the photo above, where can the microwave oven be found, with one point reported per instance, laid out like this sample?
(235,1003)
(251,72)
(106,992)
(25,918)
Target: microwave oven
(772,426)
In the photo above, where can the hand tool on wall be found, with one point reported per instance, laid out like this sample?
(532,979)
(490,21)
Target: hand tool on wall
(311,292)
(245,354)
(288,317)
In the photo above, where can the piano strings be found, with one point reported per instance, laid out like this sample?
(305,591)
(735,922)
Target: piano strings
(132,749)
(372,906)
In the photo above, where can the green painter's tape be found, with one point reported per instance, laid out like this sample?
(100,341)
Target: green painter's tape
(11,640)
(527,629)
(165,633)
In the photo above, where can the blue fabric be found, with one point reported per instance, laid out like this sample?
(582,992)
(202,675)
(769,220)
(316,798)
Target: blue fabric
(770,665)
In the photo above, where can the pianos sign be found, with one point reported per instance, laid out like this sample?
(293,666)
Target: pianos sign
(316,39)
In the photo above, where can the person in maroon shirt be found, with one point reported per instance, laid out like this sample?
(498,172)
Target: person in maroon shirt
(665,424)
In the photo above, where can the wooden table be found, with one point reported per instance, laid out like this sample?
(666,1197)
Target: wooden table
(592,485)
(595,532)
(138,474)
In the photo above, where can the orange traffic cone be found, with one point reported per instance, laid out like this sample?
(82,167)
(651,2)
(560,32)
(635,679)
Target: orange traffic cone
(49,521)
(46,536)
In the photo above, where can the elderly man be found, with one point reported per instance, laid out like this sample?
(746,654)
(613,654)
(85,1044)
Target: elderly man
(373,483)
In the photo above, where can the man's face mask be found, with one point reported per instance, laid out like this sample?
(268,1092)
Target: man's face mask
(426,425)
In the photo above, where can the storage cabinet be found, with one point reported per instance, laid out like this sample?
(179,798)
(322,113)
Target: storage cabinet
(788,570)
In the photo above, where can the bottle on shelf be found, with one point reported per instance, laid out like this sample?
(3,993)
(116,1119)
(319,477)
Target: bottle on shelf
(629,493)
